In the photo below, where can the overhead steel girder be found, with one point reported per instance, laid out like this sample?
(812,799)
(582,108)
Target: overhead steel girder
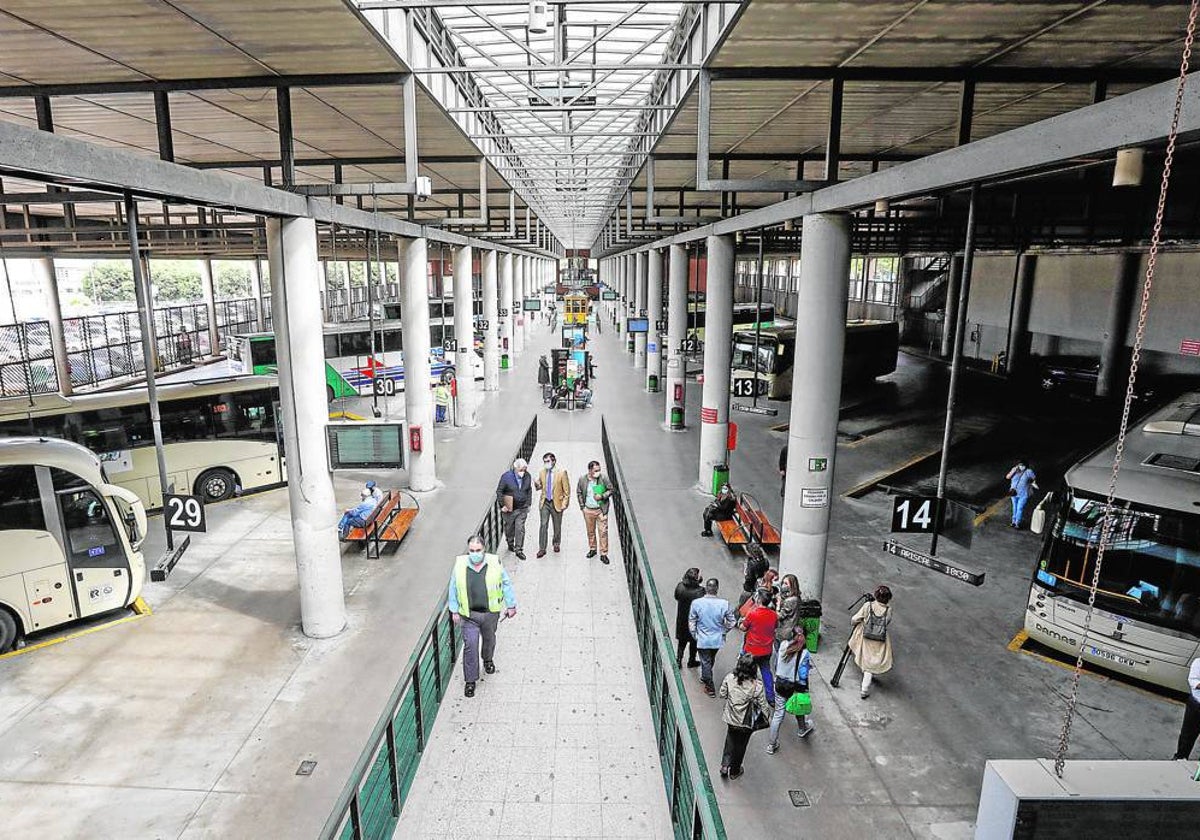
(482,218)
(305,80)
(1140,118)
(979,75)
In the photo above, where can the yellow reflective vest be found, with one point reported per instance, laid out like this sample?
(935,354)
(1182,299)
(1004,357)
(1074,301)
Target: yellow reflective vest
(493,576)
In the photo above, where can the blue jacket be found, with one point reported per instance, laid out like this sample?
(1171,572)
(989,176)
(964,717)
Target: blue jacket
(521,489)
(709,620)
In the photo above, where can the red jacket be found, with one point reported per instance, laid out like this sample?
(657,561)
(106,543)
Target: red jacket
(760,625)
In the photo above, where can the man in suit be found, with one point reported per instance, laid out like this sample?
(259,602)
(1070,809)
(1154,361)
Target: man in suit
(554,495)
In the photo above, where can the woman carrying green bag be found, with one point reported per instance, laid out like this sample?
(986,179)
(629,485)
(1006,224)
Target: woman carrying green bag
(791,687)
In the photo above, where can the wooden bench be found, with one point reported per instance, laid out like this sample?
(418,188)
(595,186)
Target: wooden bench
(388,523)
(749,524)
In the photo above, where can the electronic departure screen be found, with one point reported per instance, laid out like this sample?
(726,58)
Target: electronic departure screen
(607,295)
(532,305)
(366,446)
(638,325)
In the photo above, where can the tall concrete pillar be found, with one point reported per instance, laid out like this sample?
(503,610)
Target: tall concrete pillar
(43,269)
(530,282)
(1018,332)
(491,335)
(296,311)
(508,319)
(464,334)
(518,300)
(1113,356)
(260,304)
(816,389)
(640,270)
(654,276)
(210,304)
(418,380)
(718,356)
(676,330)
(952,284)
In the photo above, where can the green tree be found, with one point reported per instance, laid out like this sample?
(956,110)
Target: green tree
(232,279)
(176,280)
(109,281)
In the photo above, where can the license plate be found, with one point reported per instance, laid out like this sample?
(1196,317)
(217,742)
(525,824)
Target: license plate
(1100,653)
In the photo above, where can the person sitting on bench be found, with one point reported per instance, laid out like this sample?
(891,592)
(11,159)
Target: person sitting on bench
(719,510)
(357,516)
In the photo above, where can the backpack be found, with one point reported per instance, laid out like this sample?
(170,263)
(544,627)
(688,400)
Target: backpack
(875,626)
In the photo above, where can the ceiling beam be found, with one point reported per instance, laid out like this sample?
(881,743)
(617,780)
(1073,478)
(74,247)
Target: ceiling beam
(979,75)
(306,80)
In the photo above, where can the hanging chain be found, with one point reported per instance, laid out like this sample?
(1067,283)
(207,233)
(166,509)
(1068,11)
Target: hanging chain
(1064,738)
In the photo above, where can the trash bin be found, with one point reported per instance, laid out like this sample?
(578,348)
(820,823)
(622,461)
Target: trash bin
(809,613)
(504,362)
(676,417)
(720,476)
(652,383)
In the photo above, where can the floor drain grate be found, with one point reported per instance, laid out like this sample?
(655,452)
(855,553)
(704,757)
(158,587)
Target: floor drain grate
(799,798)
(306,768)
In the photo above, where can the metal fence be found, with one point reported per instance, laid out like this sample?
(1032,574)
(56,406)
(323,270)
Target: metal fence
(350,304)
(27,360)
(370,804)
(694,812)
(235,317)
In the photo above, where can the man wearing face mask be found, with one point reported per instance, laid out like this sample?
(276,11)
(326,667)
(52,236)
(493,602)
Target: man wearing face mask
(480,590)
(594,491)
(554,496)
(515,493)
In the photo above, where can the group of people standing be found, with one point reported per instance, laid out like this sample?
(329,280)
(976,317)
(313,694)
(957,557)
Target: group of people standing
(594,491)
(770,678)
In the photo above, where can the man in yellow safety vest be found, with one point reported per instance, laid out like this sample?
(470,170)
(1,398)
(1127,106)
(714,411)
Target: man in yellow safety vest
(480,589)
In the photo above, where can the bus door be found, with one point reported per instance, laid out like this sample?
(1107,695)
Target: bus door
(84,523)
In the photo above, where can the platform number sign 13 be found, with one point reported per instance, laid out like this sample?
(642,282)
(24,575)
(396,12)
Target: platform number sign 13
(914,514)
(184,513)
(743,387)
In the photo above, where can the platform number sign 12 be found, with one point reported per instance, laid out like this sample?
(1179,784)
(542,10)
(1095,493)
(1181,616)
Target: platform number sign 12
(914,515)
(184,513)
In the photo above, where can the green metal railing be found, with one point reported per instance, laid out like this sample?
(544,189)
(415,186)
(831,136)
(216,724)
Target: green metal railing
(694,812)
(370,804)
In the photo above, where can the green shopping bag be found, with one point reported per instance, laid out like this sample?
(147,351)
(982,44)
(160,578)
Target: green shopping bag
(799,703)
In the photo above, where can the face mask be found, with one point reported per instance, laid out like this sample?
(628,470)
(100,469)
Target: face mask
(548,464)
(475,556)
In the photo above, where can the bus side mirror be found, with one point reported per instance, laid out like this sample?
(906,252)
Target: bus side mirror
(132,511)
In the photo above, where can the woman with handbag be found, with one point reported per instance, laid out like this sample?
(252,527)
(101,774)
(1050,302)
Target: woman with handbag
(870,640)
(791,681)
(746,711)
(789,613)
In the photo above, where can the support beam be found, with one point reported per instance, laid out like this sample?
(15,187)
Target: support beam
(491,332)
(817,375)
(640,287)
(507,314)
(677,288)
(45,115)
(1113,364)
(162,123)
(43,270)
(979,75)
(966,111)
(1017,356)
(303,80)
(292,249)
(718,356)
(418,380)
(833,137)
(209,290)
(411,154)
(287,147)
(654,313)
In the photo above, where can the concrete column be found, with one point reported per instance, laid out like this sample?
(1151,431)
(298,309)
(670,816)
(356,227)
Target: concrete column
(418,380)
(210,304)
(1113,357)
(491,335)
(718,356)
(507,321)
(256,289)
(952,284)
(816,396)
(528,292)
(640,270)
(295,279)
(1018,332)
(654,313)
(518,297)
(676,329)
(43,269)
(464,334)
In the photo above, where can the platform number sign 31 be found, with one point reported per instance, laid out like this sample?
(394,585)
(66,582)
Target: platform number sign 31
(914,515)
(184,513)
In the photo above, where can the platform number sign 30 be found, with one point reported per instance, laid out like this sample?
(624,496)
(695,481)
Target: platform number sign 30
(384,386)
(184,513)
(914,515)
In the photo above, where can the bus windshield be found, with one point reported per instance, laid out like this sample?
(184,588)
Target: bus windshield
(743,354)
(1151,568)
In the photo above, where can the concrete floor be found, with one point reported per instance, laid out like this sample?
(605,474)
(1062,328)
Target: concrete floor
(192,722)
(559,742)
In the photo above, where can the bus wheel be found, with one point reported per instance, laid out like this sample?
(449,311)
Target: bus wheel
(8,630)
(216,485)
(329,395)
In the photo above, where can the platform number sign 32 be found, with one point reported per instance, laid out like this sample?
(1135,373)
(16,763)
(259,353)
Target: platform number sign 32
(184,513)
(914,515)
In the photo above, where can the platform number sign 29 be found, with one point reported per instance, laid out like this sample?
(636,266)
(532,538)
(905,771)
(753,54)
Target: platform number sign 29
(184,513)
(914,515)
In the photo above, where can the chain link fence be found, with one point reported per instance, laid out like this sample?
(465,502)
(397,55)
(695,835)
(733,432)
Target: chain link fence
(27,360)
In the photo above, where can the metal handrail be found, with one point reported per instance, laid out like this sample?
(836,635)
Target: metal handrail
(704,821)
(348,814)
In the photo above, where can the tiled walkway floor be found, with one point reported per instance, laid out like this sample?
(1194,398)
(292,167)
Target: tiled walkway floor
(559,742)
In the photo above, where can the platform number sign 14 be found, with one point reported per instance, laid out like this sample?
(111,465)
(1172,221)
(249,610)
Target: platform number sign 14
(184,513)
(914,515)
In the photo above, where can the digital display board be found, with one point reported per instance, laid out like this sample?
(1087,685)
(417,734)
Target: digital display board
(532,305)
(607,295)
(637,325)
(355,446)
